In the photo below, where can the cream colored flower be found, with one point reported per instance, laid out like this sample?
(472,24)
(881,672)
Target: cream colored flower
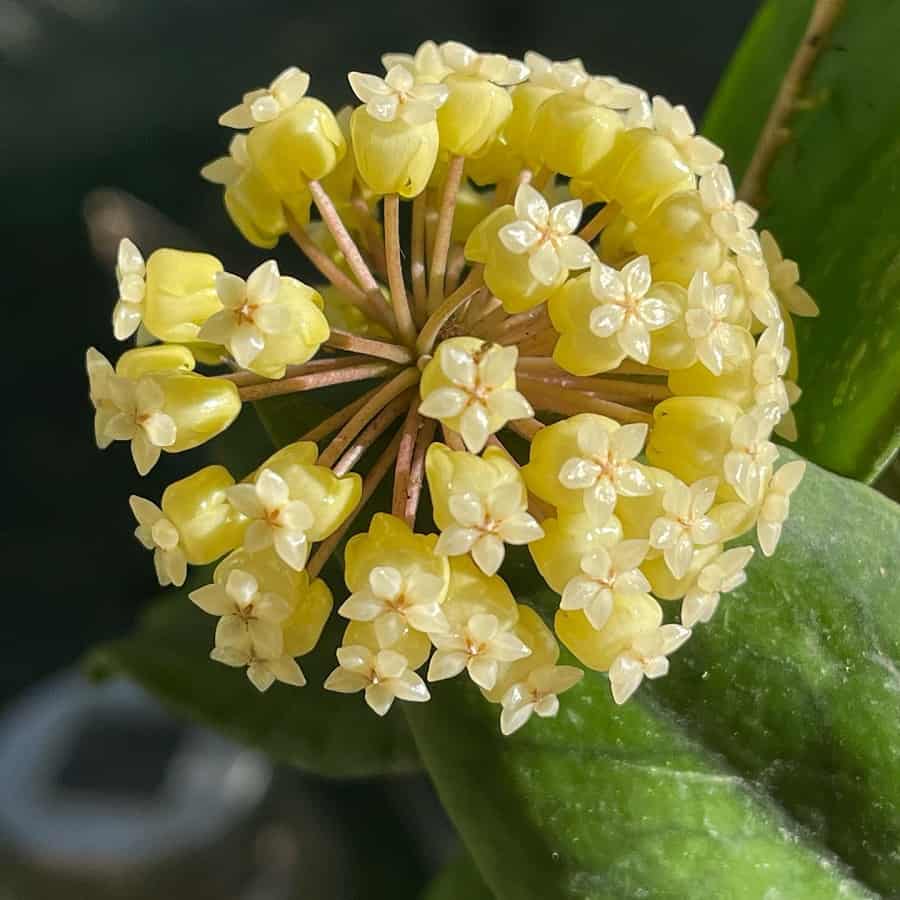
(250,620)
(785,274)
(546,235)
(275,517)
(252,312)
(393,602)
(139,419)
(538,694)
(554,75)
(770,363)
(262,671)
(675,124)
(625,309)
(758,289)
(685,525)
(266,104)
(605,467)
(399,95)
(493,67)
(484,523)
(749,462)
(477,393)
(606,574)
(776,504)
(130,275)
(226,170)
(384,676)
(723,574)
(479,648)
(710,306)
(427,63)
(99,372)
(159,534)
(732,220)
(645,658)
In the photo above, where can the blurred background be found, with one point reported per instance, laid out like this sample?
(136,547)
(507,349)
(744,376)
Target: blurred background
(108,110)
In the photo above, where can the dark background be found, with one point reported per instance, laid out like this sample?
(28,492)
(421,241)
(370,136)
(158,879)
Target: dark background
(124,95)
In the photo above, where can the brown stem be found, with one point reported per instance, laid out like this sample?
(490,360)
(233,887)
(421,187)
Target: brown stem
(316,380)
(409,432)
(336,420)
(452,439)
(524,326)
(482,306)
(384,395)
(417,266)
(525,428)
(447,309)
(399,299)
(322,364)
(599,221)
(641,392)
(493,320)
(417,471)
(344,340)
(370,483)
(455,265)
(444,227)
(570,403)
(370,229)
(390,413)
(775,132)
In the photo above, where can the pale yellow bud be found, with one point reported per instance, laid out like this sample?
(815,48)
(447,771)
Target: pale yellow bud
(257,211)
(140,361)
(531,630)
(519,129)
(200,407)
(498,163)
(473,115)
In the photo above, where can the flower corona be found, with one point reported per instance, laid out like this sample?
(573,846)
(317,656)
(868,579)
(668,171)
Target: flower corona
(582,350)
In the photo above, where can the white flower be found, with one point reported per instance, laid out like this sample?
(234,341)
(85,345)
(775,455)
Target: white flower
(625,310)
(546,235)
(685,524)
(770,363)
(645,658)
(392,602)
(723,574)
(758,288)
(384,677)
(262,671)
(159,534)
(709,307)
(226,170)
(749,462)
(399,95)
(785,274)
(265,104)
(484,524)
(598,90)
(493,67)
(554,75)
(139,419)
(130,272)
(538,694)
(731,220)
(776,504)
(427,63)
(250,620)
(479,647)
(675,123)
(251,313)
(276,519)
(477,394)
(607,573)
(99,372)
(606,467)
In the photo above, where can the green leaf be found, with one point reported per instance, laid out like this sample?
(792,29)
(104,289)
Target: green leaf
(458,880)
(767,764)
(834,206)
(322,732)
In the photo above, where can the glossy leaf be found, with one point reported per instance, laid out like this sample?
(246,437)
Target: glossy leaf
(766,764)
(834,206)
(458,880)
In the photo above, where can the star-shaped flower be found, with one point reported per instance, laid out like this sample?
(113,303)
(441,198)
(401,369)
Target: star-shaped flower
(749,462)
(275,518)
(263,671)
(130,275)
(645,658)
(538,694)
(479,647)
(606,466)
(99,372)
(625,310)
(493,67)
(392,602)
(770,363)
(732,220)
(710,306)
(606,573)
(159,534)
(226,170)
(251,313)
(479,395)
(675,123)
(399,95)
(427,63)
(384,676)
(776,504)
(484,523)
(554,75)
(723,574)
(685,524)
(139,419)
(784,274)
(546,235)
(250,620)
(266,104)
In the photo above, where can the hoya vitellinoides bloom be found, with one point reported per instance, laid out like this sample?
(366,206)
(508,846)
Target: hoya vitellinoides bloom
(581,348)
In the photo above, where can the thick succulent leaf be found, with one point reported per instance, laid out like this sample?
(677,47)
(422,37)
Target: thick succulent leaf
(168,654)
(834,206)
(459,880)
(766,765)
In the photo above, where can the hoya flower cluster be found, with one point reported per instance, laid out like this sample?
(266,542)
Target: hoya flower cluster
(582,348)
